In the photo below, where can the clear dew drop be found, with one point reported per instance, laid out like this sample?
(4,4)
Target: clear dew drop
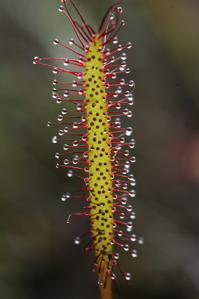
(141,241)
(125,171)
(116,256)
(75,125)
(57,155)
(56,41)
(65,147)
(61,132)
(114,225)
(55,139)
(55,71)
(125,186)
(131,83)
(35,60)
(112,242)
(127,165)
(118,147)
(61,8)
(74,84)
(124,56)
(120,233)
(121,68)
(71,41)
(55,82)
(85,154)
(117,122)
(80,92)
(65,197)
(86,169)
(112,17)
(122,81)
(60,118)
(119,9)
(117,182)
(66,62)
(133,159)
(132,193)
(129,208)
(66,161)
(80,76)
(100,283)
(64,111)
(123,23)
(126,153)
(83,119)
(132,145)
(129,226)
(129,131)
(129,114)
(54,95)
(58,101)
(129,45)
(84,138)
(127,276)
(133,215)
(127,71)
(112,59)
(130,101)
(133,183)
(119,48)
(75,143)
(115,41)
(124,200)
(131,177)
(130,96)
(126,94)
(133,238)
(75,160)
(49,124)
(126,247)
(134,253)
(122,140)
(66,93)
(119,90)
(76,157)
(70,173)
(113,276)
(114,76)
(65,129)
(125,111)
(77,241)
(122,215)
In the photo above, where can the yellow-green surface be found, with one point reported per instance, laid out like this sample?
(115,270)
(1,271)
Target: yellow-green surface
(99,149)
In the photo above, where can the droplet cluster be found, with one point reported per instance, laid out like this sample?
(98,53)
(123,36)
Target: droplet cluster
(96,146)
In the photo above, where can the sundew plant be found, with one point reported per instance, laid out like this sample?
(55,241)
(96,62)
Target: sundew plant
(96,146)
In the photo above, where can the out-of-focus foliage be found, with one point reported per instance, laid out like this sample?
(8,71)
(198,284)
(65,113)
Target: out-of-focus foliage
(37,255)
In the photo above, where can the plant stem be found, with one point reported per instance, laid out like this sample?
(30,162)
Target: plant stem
(106,286)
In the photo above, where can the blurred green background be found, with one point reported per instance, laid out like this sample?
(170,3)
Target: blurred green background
(38,259)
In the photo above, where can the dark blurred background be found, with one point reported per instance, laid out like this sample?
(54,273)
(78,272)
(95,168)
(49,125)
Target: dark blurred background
(38,258)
